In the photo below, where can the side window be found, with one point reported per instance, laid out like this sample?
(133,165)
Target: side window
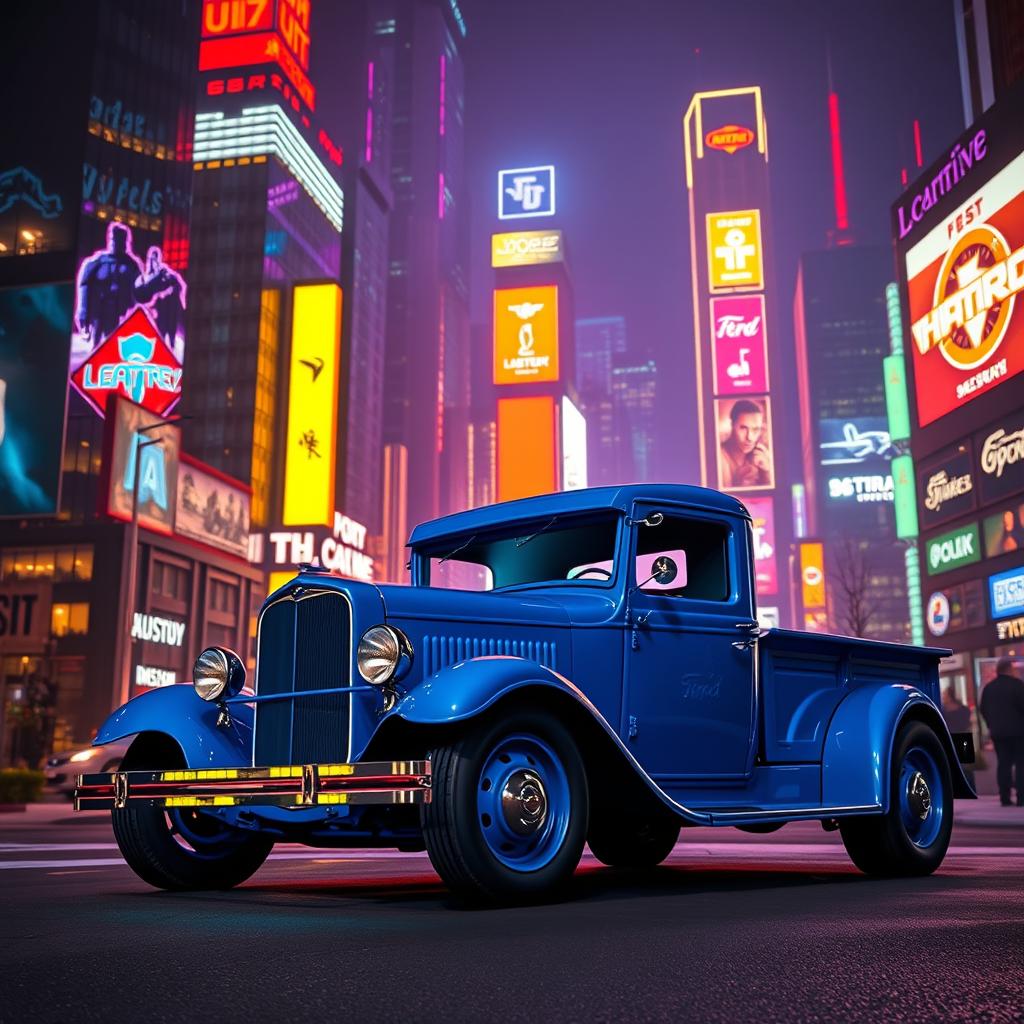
(698,547)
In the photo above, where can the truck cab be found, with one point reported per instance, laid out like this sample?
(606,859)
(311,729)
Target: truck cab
(584,666)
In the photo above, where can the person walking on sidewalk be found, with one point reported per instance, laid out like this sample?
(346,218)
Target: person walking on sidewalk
(1002,706)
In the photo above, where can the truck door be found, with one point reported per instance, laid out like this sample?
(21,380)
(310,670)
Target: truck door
(690,646)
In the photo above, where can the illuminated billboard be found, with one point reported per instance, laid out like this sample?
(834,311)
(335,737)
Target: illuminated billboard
(312,432)
(126,451)
(526,335)
(1004,531)
(812,585)
(574,447)
(851,442)
(128,333)
(34,329)
(526,192)
(1006,593)
(766,573)
(946,485)
(735,254)
(739,345)
(745,461)
(526,248)
(527,447)
(243,33)
(953,550)
(338,546)
(212,508)
(729,138)
(963,279)
(1000,453)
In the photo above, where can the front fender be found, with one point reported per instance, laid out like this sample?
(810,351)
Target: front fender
(177,711)
(468,688)
(857,760)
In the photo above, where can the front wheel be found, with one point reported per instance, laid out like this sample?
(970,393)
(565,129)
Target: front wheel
(508,812)
(912,837)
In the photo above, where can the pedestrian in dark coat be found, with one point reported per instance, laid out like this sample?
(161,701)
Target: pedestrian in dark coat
(1002,706)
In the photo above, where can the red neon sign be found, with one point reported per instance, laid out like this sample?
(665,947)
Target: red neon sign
(229,17)
(293,24)
(257,48)
(729,138)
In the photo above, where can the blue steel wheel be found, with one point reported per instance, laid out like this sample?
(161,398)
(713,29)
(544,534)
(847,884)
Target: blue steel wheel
(508,812)
(912,837)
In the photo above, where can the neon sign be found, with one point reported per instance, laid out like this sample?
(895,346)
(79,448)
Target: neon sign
(729,138)
(526,192)
(21,185)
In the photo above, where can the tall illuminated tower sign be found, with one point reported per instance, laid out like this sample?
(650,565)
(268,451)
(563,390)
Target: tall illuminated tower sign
(541,434)
(734,320)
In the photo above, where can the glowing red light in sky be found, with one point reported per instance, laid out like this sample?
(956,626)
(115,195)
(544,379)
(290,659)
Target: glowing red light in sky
(838,181)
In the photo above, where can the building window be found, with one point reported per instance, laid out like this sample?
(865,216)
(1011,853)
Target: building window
(60,564)
(69,619)
(170,580)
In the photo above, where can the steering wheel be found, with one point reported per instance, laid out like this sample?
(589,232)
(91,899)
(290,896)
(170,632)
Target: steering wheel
(587,569)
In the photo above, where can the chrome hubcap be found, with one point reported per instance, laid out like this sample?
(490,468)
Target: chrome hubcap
(919,797)
(524,803)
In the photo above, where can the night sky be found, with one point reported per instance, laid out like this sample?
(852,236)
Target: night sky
(599,89)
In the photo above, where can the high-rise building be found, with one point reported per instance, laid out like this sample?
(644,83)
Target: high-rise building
(741,396)
(990,47)
(842,336)
(599,341)
(427,355)
(634,392)
(94,270)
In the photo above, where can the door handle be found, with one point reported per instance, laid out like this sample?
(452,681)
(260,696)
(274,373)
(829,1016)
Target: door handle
(744,645)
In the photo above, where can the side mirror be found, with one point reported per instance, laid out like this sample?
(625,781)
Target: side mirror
(665,569)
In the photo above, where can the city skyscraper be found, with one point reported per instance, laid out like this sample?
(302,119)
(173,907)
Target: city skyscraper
(634,388)
(427,355)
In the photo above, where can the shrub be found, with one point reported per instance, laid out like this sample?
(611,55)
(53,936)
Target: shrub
(20,785)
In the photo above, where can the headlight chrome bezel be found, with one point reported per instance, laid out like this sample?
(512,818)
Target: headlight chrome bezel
(218,673)
(399,662)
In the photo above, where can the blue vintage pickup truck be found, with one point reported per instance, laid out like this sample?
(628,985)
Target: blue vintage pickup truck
(570,668)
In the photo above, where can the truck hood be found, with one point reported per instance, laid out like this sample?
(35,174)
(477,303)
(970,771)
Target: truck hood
(429,604)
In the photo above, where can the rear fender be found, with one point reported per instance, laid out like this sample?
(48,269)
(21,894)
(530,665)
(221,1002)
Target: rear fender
(177,712)
(857,759)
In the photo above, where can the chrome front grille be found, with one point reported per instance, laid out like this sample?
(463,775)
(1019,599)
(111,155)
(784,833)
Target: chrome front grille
(304,645)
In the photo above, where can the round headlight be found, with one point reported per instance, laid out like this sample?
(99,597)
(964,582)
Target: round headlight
(218,673)
(384,654)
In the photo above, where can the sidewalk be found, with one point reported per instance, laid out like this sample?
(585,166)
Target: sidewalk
(987,811)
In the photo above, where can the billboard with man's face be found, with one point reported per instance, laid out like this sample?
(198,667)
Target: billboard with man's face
(745,458)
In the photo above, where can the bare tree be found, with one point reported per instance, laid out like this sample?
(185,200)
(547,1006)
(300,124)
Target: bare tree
(851,585)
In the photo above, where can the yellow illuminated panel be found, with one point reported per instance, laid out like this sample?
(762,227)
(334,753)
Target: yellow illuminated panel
(526,248)
(263,415)
(525,335)
(278,579)
(734,250)
(311,442)
(812,575)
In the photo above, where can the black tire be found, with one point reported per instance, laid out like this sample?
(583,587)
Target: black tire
(464,845)
(900,843)
(184,849)
(633,842)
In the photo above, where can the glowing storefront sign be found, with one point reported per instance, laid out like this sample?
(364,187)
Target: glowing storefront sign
(574,447)
(1000,452)
(126,450)
(946,485)
(734,250)
(261,131)
(341,549)
(149,677)
(745,461)
(1006,593)
(867,488)
(739,343)
(812,574)
(312,405)
(156,629)
(526,192)
(766,573)
(953,550)
(852,442)
(963,282)
(526,335)
(526,248)
(729,138)
(526,447)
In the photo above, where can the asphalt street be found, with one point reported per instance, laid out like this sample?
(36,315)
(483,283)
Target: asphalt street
(733,928)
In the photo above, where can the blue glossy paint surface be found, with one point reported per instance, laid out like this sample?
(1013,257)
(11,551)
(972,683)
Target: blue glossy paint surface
(179,713)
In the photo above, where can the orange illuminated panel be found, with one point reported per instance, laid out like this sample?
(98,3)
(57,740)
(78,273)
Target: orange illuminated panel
(812,575)
(525,335)
(229,17)
(527,447)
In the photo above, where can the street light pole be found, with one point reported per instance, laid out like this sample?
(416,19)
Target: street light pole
(133,560)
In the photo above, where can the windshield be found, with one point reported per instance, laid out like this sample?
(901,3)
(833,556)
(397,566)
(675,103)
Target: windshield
(556,549)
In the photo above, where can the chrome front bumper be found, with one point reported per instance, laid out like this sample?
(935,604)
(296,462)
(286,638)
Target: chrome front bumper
(306,785)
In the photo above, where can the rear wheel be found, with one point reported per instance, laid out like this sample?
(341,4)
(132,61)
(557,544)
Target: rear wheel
(625,842)
(184,848)
(912,837)
(508,811)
